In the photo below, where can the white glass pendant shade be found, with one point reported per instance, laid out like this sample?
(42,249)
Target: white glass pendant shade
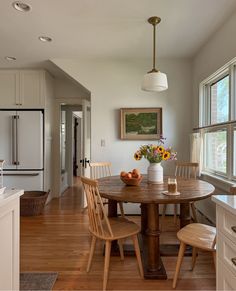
(155,82)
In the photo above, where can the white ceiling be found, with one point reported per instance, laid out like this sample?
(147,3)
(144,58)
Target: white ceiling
(107,28)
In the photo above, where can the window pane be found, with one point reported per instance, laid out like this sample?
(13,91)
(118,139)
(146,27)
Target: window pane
(234,155)
(220,101)
(215,151)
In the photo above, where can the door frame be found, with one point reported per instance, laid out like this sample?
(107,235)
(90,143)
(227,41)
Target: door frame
(56,141)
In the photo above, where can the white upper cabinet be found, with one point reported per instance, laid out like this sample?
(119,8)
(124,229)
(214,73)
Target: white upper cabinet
(31,89)
(22,89)
(9,88)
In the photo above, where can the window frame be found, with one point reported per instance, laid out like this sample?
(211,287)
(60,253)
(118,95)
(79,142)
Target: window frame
(205,124)
(205,168)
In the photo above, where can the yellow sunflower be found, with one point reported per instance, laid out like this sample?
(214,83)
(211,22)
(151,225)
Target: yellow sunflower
(166,156)
(137,156)
(160,149)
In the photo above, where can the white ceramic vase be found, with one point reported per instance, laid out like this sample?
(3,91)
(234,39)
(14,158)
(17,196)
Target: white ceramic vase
(155,173)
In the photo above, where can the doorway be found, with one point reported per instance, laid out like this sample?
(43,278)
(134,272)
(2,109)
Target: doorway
(75,139)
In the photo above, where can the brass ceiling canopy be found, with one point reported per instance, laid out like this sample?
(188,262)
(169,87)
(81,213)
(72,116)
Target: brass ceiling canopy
(154,20)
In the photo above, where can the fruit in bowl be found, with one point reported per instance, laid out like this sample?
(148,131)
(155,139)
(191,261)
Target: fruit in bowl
(132,178)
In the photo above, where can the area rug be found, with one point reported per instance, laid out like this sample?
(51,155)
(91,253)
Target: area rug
(37,281)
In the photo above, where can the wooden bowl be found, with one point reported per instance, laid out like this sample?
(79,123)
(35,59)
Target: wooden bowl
(132,181)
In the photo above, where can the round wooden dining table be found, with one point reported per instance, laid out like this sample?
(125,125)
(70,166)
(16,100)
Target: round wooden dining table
(150,196)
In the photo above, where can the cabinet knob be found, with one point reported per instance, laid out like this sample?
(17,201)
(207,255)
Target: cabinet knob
(233,228)
(233,261)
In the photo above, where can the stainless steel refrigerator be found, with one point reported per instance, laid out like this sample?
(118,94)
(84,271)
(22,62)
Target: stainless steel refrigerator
(22,148)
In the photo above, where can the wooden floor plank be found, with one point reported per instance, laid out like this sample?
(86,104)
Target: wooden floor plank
(59,241)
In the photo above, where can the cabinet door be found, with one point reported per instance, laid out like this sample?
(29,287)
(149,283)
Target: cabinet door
(9,88)
(30,140)
(31,89)
(9,245)
(7,138)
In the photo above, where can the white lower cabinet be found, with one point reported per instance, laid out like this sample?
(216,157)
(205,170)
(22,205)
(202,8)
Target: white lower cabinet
(225,242)
(226,280)
(9,240)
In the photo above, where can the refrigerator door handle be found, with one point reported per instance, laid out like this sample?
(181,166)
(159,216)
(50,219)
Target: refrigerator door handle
(13,123)
(20,175)
(17,145)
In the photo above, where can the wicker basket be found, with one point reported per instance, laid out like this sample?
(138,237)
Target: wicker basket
(32,203)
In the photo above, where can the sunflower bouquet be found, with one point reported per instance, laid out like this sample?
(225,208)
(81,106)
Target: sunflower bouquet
(155,153)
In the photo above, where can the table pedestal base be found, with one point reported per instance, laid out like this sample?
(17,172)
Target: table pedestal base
(156,271)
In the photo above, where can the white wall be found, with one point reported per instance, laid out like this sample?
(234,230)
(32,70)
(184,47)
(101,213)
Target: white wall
(220,49)
(115,84)
(66,88)
(66,92)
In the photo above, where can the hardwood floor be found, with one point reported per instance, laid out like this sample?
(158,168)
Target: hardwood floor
(59,241)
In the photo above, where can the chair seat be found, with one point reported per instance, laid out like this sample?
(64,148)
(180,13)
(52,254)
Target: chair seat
(198,235)
(121,228)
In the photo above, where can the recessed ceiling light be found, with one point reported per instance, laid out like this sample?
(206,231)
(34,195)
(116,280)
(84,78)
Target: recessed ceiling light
(8,58)
(20,6)
(45,39)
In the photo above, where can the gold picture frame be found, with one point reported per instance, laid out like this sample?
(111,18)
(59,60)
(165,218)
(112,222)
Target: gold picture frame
(141,123)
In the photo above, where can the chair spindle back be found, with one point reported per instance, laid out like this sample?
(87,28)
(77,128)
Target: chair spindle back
(98,221)
(186,170)
(100,170)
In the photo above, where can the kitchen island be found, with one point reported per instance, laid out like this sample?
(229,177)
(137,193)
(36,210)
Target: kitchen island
(9,239)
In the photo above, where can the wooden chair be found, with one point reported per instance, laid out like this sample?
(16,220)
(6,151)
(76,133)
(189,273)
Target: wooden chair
(108,229)
(100,170)
(188,171)
(199,236)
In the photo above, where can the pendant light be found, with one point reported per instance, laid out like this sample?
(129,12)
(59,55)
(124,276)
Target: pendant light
(154,80)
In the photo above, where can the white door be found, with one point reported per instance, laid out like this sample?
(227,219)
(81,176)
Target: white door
(79,147)
(7,138)
(86,108)
(30,140)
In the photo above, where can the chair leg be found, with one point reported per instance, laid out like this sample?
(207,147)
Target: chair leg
(138,255)
(120,243)
(194,258)
(106,264)
(121,209)
(194,212)
(84,209)
(179,261)
(175,213)
(214,258)
(92,248)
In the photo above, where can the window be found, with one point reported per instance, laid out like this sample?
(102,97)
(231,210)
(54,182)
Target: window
(220,100)
(234,154)
(218,122)
(215,151)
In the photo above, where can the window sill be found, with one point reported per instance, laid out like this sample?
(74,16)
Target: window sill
(218,182)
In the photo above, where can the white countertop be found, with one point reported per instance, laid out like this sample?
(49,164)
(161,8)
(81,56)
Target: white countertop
(8,195)
(226,201)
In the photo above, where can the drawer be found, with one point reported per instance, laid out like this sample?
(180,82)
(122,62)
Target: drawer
(226,223)
(226,252)
(225,280)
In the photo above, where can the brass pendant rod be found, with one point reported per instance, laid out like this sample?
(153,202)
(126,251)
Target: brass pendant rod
(154,48)
(154,20)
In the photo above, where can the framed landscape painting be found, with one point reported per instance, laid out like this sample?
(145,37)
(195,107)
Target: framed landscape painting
(141,123)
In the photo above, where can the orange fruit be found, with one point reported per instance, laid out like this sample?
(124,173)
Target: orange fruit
(123,174)
(129,175)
